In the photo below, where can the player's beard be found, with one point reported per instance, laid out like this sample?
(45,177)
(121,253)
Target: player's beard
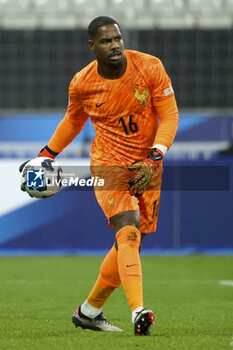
(118,65)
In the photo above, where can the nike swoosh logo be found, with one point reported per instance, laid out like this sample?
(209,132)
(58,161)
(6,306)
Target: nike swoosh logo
(98,105)
(131,265)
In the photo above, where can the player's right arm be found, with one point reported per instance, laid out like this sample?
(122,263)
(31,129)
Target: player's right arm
(68,128)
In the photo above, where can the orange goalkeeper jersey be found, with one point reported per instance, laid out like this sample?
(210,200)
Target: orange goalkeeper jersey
(129,114)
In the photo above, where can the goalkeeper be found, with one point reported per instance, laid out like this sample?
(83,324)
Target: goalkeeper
(130,100)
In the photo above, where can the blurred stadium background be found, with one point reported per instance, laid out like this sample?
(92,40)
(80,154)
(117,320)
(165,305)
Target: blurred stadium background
(43,44)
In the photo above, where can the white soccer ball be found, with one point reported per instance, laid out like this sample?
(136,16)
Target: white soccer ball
(42,177)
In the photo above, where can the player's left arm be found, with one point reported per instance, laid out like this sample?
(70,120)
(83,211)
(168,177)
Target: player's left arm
(165,105)
(69,127)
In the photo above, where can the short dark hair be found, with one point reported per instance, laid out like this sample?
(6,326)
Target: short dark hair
(99,22)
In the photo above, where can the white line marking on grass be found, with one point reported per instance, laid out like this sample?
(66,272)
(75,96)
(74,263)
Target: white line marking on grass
(40,281)
(27,281)
(226,283)
(181,281)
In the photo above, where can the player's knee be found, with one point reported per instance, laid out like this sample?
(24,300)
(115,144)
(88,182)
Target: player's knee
(131,217)
(128,235)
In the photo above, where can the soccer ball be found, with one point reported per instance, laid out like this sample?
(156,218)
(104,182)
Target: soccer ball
(42,177)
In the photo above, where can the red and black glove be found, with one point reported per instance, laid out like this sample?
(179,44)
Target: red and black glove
(146,168)
(45,152)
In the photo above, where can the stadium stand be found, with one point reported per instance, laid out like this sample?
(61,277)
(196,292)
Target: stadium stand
(69,14)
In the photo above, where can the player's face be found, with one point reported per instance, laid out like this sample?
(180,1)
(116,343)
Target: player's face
(108,45)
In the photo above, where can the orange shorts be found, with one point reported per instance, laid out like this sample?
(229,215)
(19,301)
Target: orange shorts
(114,197)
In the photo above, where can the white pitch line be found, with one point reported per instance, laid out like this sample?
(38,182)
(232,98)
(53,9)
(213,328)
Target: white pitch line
(226,283)
(26,281)
(39,281)
(182,281)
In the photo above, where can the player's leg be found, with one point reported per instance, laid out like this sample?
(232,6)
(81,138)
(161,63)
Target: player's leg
(149,208)
(109,278)
(89,314)
(128,238)
(107,281)
(111,202)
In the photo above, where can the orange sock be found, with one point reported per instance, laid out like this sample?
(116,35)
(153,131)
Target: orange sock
(107,281)
(129,264)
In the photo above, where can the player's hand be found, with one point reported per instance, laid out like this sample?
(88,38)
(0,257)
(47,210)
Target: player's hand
(22,187)
(23,165)
(145,170)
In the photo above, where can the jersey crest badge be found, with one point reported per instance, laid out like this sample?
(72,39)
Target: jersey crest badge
(142,97)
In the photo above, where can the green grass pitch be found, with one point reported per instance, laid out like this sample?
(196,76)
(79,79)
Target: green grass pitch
(193,308)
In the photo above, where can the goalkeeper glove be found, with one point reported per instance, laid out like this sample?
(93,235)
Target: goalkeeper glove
(145,170)
(45,152)
(22,187)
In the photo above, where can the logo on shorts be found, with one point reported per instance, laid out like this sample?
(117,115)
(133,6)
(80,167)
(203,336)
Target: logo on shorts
(111,201)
